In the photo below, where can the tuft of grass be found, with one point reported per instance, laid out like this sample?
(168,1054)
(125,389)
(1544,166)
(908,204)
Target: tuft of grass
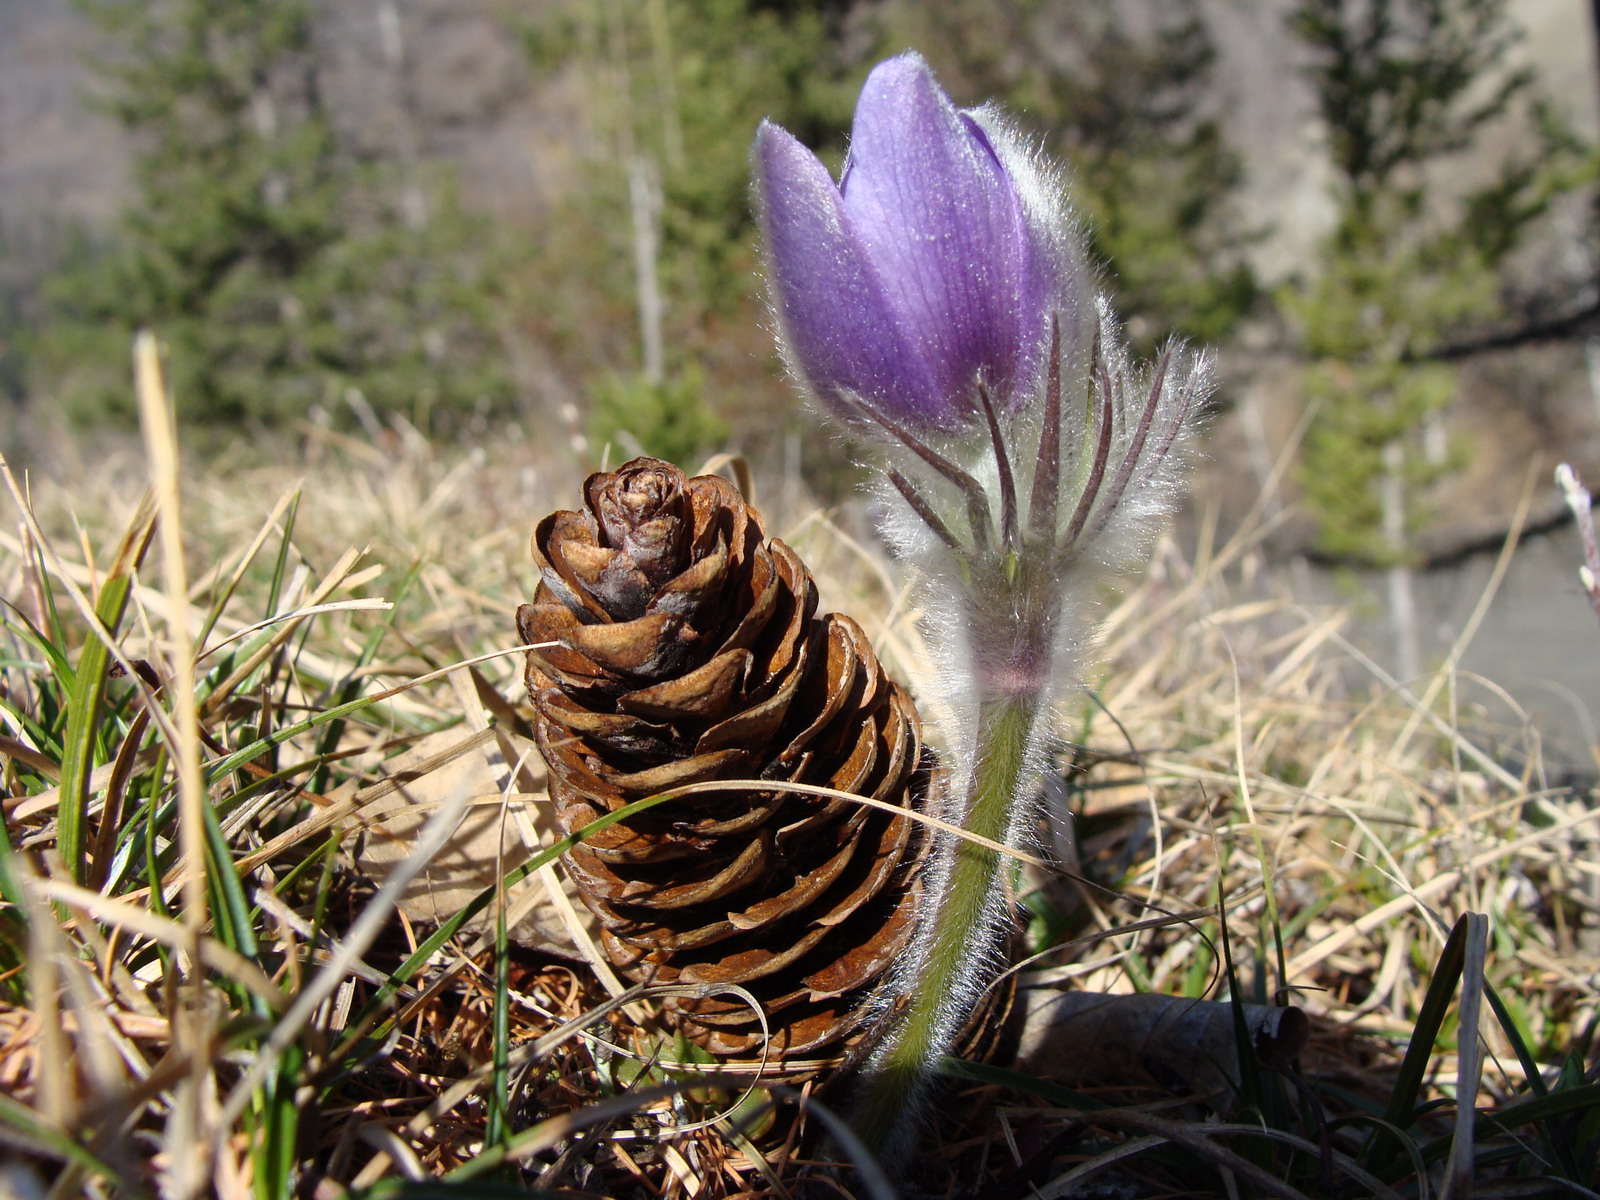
(223,996)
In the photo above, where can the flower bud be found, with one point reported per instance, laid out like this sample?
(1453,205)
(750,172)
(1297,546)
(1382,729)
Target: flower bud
(927,271)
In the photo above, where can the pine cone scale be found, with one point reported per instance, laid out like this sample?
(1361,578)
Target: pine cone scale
(719,764)
(702,693)
(755,724)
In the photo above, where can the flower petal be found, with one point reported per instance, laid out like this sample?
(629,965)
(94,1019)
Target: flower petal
(838,324)
(940,220)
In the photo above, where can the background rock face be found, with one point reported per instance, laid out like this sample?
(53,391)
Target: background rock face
(438,79)
(59,161)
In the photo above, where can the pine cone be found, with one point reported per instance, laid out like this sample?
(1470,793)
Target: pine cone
(671,643)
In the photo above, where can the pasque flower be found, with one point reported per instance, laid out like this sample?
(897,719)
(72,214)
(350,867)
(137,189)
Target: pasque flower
(922,273)
(934,298)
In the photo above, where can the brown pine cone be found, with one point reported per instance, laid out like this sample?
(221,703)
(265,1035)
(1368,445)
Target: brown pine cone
(671,643)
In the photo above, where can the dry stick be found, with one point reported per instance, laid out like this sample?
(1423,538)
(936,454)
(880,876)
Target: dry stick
(161,443)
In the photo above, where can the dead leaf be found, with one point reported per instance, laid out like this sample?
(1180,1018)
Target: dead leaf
(500,832)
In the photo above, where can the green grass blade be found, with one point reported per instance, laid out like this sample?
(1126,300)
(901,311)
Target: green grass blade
(1401,1111)
(1557,1146)
(1469,1055)
(280,568)
(1584,1099)
(88,696)
(334,734)
(1580,1101)
(275,585)
(1508,1024)
(1249,1082)
(234,907)
(220,767)
(1402,1138)
(499,1123)
(276,1145)
(19,627)
(10,885)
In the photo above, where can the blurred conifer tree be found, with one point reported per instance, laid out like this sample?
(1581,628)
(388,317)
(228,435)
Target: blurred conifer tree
(272,263)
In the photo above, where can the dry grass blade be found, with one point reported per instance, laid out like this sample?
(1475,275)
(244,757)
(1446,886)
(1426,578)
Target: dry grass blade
(121,915)
(1197,1139)
(161,439)
(807,789)
(357,942)
(1469,1069)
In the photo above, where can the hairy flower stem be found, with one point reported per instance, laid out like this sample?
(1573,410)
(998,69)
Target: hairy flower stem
(962,944)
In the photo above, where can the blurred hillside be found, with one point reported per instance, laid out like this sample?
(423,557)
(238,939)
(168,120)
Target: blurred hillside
(530,221)
(540,120)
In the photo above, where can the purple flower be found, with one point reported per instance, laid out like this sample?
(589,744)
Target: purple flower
(934,293)
(925,272)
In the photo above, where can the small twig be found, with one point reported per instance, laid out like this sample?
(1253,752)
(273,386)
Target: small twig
(1579,501)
